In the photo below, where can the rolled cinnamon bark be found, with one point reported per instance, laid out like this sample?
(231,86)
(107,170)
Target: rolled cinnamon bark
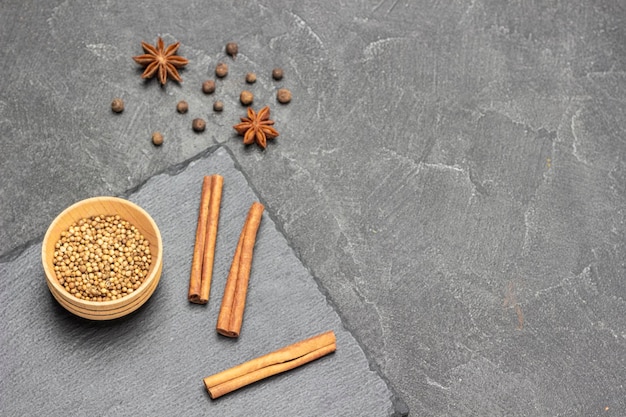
(273,363)
(204,247)
(217,182)
(233,305)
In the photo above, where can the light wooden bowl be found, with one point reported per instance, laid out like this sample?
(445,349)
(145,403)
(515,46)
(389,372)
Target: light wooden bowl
(103,310)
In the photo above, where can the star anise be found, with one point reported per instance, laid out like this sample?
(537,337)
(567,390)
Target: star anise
(257,127)
(162,60)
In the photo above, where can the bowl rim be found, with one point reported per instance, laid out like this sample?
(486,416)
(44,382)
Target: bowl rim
(111,304)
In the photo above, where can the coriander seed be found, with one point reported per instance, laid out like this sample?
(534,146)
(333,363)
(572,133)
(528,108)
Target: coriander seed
(182,107)
(117,105)
(218,106)
(208,87)
(157,138)
(250,78)
(114,258)
(277,74)
(221,70)
(232,48)
(283,95)
(198,125)
(246,97)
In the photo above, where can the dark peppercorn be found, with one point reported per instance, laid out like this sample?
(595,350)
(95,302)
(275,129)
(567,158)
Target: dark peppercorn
(277,74)
(250,78)
(208,87)
(246,97)
(157,139)
(182,107)
(198,125)
(221,70)
(283,95)
(232,48)
(117,105)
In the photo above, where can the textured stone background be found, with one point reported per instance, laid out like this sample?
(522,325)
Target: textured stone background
(452,173)
(153,361)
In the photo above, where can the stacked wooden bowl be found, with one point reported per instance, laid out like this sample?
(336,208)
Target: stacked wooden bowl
(103,310)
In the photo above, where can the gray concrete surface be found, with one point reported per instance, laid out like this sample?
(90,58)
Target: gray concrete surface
(451,173)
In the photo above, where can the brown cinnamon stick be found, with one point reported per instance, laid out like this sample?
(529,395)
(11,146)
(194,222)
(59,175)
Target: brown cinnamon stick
(230,317)
(273,363)
(217,183)
(206,232)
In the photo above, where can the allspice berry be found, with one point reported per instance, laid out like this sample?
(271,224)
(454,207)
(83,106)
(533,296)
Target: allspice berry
(218,106)
(250,78)
(208,87)
(157,138)
(221,70)
(232,48)
(117,105)
(198,125)
(182,107)
(277,74)
(283,95)
(246,97)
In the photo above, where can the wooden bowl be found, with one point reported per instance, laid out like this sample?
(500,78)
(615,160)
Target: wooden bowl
(103,310)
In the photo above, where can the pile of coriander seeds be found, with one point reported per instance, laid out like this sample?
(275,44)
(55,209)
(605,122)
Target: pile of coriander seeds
(101,258)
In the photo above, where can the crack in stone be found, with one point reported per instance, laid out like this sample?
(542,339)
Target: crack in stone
(389,9)
(436,384)
(466,173)
(576,140)
(518,122)
(379,316)
(304,25)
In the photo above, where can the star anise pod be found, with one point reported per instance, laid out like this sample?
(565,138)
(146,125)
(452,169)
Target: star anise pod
(162,60)
(257,127)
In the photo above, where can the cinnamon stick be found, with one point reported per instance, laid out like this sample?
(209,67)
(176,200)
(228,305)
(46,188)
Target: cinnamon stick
(206,232)
(217,183)
(273,363)
(230,317)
